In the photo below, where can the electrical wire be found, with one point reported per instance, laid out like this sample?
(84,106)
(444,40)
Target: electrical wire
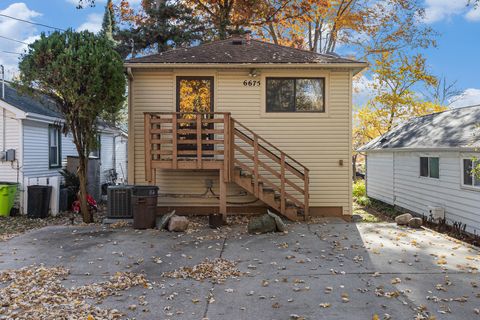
(11,52)
(11,39)
(31,22)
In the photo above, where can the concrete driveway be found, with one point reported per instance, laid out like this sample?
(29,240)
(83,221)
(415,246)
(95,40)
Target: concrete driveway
(316,271)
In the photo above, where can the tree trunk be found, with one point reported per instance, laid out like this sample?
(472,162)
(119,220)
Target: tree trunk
(82,175)
(354,167)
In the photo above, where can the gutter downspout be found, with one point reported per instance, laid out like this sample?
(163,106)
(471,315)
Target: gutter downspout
(4,112)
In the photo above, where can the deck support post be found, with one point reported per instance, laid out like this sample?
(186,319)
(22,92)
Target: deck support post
(223,194)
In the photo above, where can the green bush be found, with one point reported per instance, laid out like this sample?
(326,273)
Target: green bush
(363,201)
(359,189)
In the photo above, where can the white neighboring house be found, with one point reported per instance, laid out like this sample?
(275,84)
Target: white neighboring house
(28,127)
(427,162)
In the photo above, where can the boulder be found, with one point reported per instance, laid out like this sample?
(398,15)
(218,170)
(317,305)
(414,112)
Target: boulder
(177,224)
(356,218)
(415,222)
(403,219)
(162,222)
(281,226)
(262,224)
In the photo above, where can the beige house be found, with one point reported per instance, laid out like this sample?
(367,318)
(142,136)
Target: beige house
(242,125)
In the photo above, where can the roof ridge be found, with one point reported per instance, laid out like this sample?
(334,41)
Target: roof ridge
(444,111)
(309,55)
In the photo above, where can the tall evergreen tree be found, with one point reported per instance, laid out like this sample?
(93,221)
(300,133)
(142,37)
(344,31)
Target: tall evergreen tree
(161,25)
(108,24)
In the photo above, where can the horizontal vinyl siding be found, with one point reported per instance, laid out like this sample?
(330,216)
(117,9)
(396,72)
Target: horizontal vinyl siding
(154,92)
(35,137)
(416,193)
(106,155)
(121,157)
(380,176)
(12,141)
(318,142)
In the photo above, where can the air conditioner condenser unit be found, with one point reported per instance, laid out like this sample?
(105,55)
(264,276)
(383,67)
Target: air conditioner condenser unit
(119,204)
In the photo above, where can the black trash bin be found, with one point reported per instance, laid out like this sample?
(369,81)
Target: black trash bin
(38,201)
(144,203)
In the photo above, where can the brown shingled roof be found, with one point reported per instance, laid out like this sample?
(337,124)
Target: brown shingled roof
(238,51)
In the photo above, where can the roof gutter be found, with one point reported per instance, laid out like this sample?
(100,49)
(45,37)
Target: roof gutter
(464,149)
(146,65)
(42,118)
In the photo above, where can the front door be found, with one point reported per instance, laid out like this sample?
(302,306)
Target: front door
(194,94)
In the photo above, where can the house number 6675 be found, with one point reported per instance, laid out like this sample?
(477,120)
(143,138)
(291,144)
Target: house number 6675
(251,83)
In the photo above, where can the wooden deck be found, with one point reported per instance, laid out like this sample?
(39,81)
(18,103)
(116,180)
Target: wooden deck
(216,141)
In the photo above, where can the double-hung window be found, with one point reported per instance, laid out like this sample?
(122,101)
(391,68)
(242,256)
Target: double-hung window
(295,94)
(54,143)
(470,178)
(430,167)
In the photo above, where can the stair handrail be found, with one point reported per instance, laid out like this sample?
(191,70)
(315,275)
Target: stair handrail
(283,164)
(273,146)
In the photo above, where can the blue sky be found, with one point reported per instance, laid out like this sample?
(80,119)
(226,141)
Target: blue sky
(457,56)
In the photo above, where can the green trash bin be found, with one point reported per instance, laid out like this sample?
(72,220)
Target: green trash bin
(8,191)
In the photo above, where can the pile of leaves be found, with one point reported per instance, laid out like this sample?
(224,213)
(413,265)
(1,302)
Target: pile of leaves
(36,292)
(217,270)
(15,225)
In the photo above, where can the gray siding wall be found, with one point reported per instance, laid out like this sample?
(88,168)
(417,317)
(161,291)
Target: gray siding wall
(12,141)
(35,137)
(106,157)
(380,176)
(121,158)
(416,193)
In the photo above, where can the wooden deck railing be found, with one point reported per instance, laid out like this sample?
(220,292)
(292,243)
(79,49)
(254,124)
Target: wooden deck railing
(182,140)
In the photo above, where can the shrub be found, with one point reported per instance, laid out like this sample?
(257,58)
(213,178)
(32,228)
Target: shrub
(359,189)
(363,201)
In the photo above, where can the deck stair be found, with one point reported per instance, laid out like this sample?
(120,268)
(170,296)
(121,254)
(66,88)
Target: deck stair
(216,141)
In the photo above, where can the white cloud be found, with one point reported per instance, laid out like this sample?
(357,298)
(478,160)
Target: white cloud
(469,97)
(473,14)
(438,10)
(16,30)
(93,23)
(363,90)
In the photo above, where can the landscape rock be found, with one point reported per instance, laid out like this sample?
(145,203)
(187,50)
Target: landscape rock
(403,219)
(162,222)
(415,223)
(177,224)
(357,218)
(262,224)
(281,226)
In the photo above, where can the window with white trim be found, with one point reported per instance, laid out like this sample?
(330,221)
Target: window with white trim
(54,150)
(430,167)
(469,178)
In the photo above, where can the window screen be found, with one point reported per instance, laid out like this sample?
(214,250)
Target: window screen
(434,168)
